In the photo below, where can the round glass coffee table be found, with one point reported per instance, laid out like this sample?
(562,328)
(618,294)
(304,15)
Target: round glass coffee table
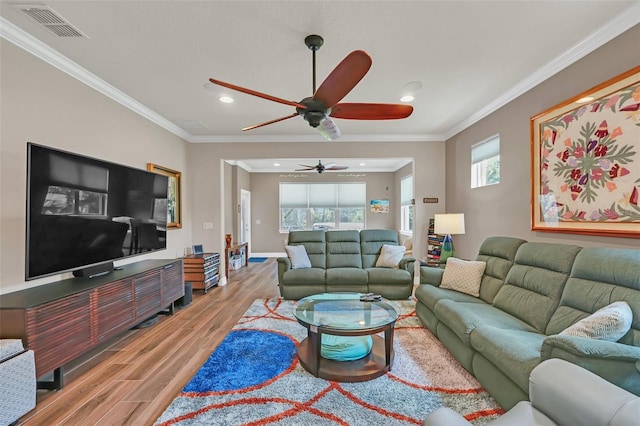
(343,314)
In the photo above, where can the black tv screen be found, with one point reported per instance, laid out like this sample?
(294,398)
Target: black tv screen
(83,212)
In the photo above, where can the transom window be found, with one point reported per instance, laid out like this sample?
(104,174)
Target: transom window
(485,162)
(306,206)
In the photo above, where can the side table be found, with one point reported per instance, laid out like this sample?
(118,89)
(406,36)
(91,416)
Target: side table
(241,249)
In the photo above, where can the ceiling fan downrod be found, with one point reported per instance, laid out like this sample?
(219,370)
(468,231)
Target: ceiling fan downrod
(314,42)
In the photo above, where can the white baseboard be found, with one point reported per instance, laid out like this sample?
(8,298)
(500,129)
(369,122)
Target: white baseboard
(275,254)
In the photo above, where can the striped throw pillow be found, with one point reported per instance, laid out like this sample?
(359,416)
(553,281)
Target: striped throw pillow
(609,323)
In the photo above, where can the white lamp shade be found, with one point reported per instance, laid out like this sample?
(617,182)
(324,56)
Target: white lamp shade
(449,223)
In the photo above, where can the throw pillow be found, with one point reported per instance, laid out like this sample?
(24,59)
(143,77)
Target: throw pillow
(390,256)
(464,276)
(609,323)
(298,256)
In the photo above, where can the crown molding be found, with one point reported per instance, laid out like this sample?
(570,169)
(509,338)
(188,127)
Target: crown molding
(26,41)
(315,138)
(621,23)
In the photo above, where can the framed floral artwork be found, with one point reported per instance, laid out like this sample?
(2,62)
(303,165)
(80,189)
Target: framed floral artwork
(585,162)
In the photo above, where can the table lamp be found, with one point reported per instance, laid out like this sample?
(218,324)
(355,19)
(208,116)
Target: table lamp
(448,224)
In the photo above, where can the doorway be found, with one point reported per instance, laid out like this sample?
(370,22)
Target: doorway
(245,217)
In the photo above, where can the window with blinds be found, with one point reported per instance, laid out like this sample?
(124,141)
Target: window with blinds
(305,206)
(77,188)
(485,162)
(406,204)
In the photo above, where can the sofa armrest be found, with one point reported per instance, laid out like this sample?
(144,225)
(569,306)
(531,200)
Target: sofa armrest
(431,275)
(406,263)
(615,362)
(445,416)
(284,264)
(571,395)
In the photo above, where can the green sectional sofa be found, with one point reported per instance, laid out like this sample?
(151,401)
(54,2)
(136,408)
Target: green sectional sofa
(530,292)
(344,261)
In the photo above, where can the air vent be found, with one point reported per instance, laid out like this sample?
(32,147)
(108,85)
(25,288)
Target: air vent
(50,20)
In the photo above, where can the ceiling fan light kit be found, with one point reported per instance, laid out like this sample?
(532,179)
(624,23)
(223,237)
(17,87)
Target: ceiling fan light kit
(319,109)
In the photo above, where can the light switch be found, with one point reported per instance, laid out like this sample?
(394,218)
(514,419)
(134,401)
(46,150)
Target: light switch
(207,225)
(257,221)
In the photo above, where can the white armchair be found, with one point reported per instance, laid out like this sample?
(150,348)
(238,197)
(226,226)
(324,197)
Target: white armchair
(17,381)
(561,394)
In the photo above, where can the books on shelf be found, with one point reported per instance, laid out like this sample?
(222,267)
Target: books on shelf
(434,245)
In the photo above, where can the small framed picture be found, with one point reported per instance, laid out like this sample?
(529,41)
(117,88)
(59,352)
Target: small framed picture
(197,249)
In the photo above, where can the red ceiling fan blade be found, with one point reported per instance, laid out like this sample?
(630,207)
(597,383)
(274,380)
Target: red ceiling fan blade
(255,126)
(368,111)
(255,93)
(343,78)
(304,170)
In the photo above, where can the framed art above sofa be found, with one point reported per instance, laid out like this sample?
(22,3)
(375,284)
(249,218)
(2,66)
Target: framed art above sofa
(585,162)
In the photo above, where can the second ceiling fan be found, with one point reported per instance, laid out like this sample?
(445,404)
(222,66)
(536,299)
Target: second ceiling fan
(320,109)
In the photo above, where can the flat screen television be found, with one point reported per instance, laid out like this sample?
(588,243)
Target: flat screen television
(84,213)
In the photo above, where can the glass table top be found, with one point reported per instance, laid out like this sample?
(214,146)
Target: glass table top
(344,311)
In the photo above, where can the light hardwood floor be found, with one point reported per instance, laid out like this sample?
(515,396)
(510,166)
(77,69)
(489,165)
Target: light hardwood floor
(131,379)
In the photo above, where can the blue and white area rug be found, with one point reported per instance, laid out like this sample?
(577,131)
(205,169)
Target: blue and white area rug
(254,378)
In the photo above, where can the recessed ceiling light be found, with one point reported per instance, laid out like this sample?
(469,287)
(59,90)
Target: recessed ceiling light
(363,164)
(407,98)
(584,100)
(413,87)
(225,99)
(276,164)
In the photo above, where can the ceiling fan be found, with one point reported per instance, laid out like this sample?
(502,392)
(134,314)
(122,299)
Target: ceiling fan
(321,167)
(320,109)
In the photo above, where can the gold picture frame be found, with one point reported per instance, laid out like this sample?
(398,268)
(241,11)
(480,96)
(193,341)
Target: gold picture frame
(585,162)
(174,194)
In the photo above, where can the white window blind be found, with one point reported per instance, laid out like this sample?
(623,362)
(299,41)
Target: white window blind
(485,162)
(406,190)
(323,195)
(352,195)
(294,195)
(485,150)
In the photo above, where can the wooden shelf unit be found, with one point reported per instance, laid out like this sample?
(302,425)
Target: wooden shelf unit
(202,270)
(64,319)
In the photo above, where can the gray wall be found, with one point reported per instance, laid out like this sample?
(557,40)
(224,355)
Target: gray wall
(44,105)
(209,182)
(505,209)
(266,237)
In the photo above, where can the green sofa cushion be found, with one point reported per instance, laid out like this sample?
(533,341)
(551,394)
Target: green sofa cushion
(462,318)
(617,278)
(430,295)
(533,287)
(348,276)
(388,276)
(498,253)
(304,276)
(343,249)
(314,242)
(371,242)
(514,352)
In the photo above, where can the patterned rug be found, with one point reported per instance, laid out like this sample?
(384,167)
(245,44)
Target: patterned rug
(254,378)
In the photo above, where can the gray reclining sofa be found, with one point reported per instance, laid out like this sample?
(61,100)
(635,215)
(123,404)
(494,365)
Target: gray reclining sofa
(344,261)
